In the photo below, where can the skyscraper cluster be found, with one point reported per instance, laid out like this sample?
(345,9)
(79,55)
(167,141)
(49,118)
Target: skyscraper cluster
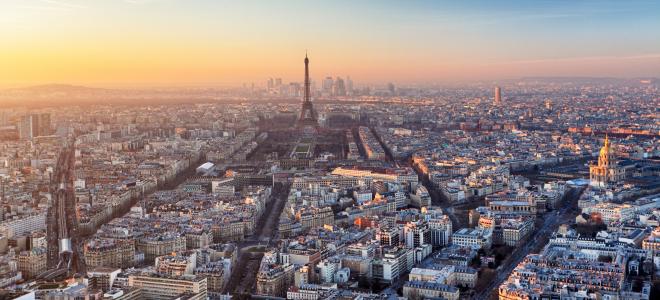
(337,86)
(34,125)
(330,86)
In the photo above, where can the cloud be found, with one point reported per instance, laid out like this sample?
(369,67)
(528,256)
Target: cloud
(50,5)
(43,7)
(140,1)
(651,56)
(62,4)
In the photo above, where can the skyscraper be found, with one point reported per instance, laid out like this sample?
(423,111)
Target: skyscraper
(391,88)
(340,88)
(44,125)
(349,85)
(498,95)
(327,85)
(25,128)
(34,125)
(4,117)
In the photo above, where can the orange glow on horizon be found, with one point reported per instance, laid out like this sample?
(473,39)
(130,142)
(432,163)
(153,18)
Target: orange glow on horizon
(227,43)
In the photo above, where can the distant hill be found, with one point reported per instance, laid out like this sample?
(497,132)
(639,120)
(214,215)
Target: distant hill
(66,94)
(55,88)
(591,80)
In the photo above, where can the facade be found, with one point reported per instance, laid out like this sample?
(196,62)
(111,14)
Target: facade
(514,231)
(388,236)
(441,230)
(198,239)
(176,264)
(311,292)
(23,225)
(526,207)
(477,238)
(466,276)
(113,253)
(446,274)
(652,242)
(612,212)
(275,281)
(215,276)
(276,274)
(538,277)
(417,290)
(103,278)
(372,147)
(161,287)
(32,263)
(315,217)
(416,234)
(153,247)
(327,268)
(395,261)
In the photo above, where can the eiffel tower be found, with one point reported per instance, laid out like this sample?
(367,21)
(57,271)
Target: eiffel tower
(308,116)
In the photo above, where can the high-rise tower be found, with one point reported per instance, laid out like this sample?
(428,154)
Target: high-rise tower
(307,113)
(498,95)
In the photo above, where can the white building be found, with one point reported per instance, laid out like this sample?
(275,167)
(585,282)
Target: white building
(205,168)
(23,225)
(612,212)
(476,238)
(327,269)
(416,234)
(441,230)
(168,287)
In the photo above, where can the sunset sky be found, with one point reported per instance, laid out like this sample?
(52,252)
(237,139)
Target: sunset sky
(134,43)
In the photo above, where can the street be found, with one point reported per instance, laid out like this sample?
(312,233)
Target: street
(243,276)
(550,224)
(437,198)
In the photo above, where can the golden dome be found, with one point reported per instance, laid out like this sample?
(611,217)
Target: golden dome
(606,153)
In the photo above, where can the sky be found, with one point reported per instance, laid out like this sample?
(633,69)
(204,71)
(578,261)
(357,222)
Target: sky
(139,43)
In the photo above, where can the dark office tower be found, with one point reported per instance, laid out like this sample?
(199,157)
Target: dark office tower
(28,127)
(34,125)
(25,128)
(498,95)
(340,88)
(4,117)
(44,125)
(349,85)
(391,88)
(307,113)
(328,83)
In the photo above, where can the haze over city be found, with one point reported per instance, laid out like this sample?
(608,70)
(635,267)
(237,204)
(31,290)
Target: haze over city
(329,150)
(159,43)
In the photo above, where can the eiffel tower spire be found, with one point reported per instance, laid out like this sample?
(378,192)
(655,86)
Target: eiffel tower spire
(307,113)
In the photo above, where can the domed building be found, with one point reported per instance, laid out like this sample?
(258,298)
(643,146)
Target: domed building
(608,170)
